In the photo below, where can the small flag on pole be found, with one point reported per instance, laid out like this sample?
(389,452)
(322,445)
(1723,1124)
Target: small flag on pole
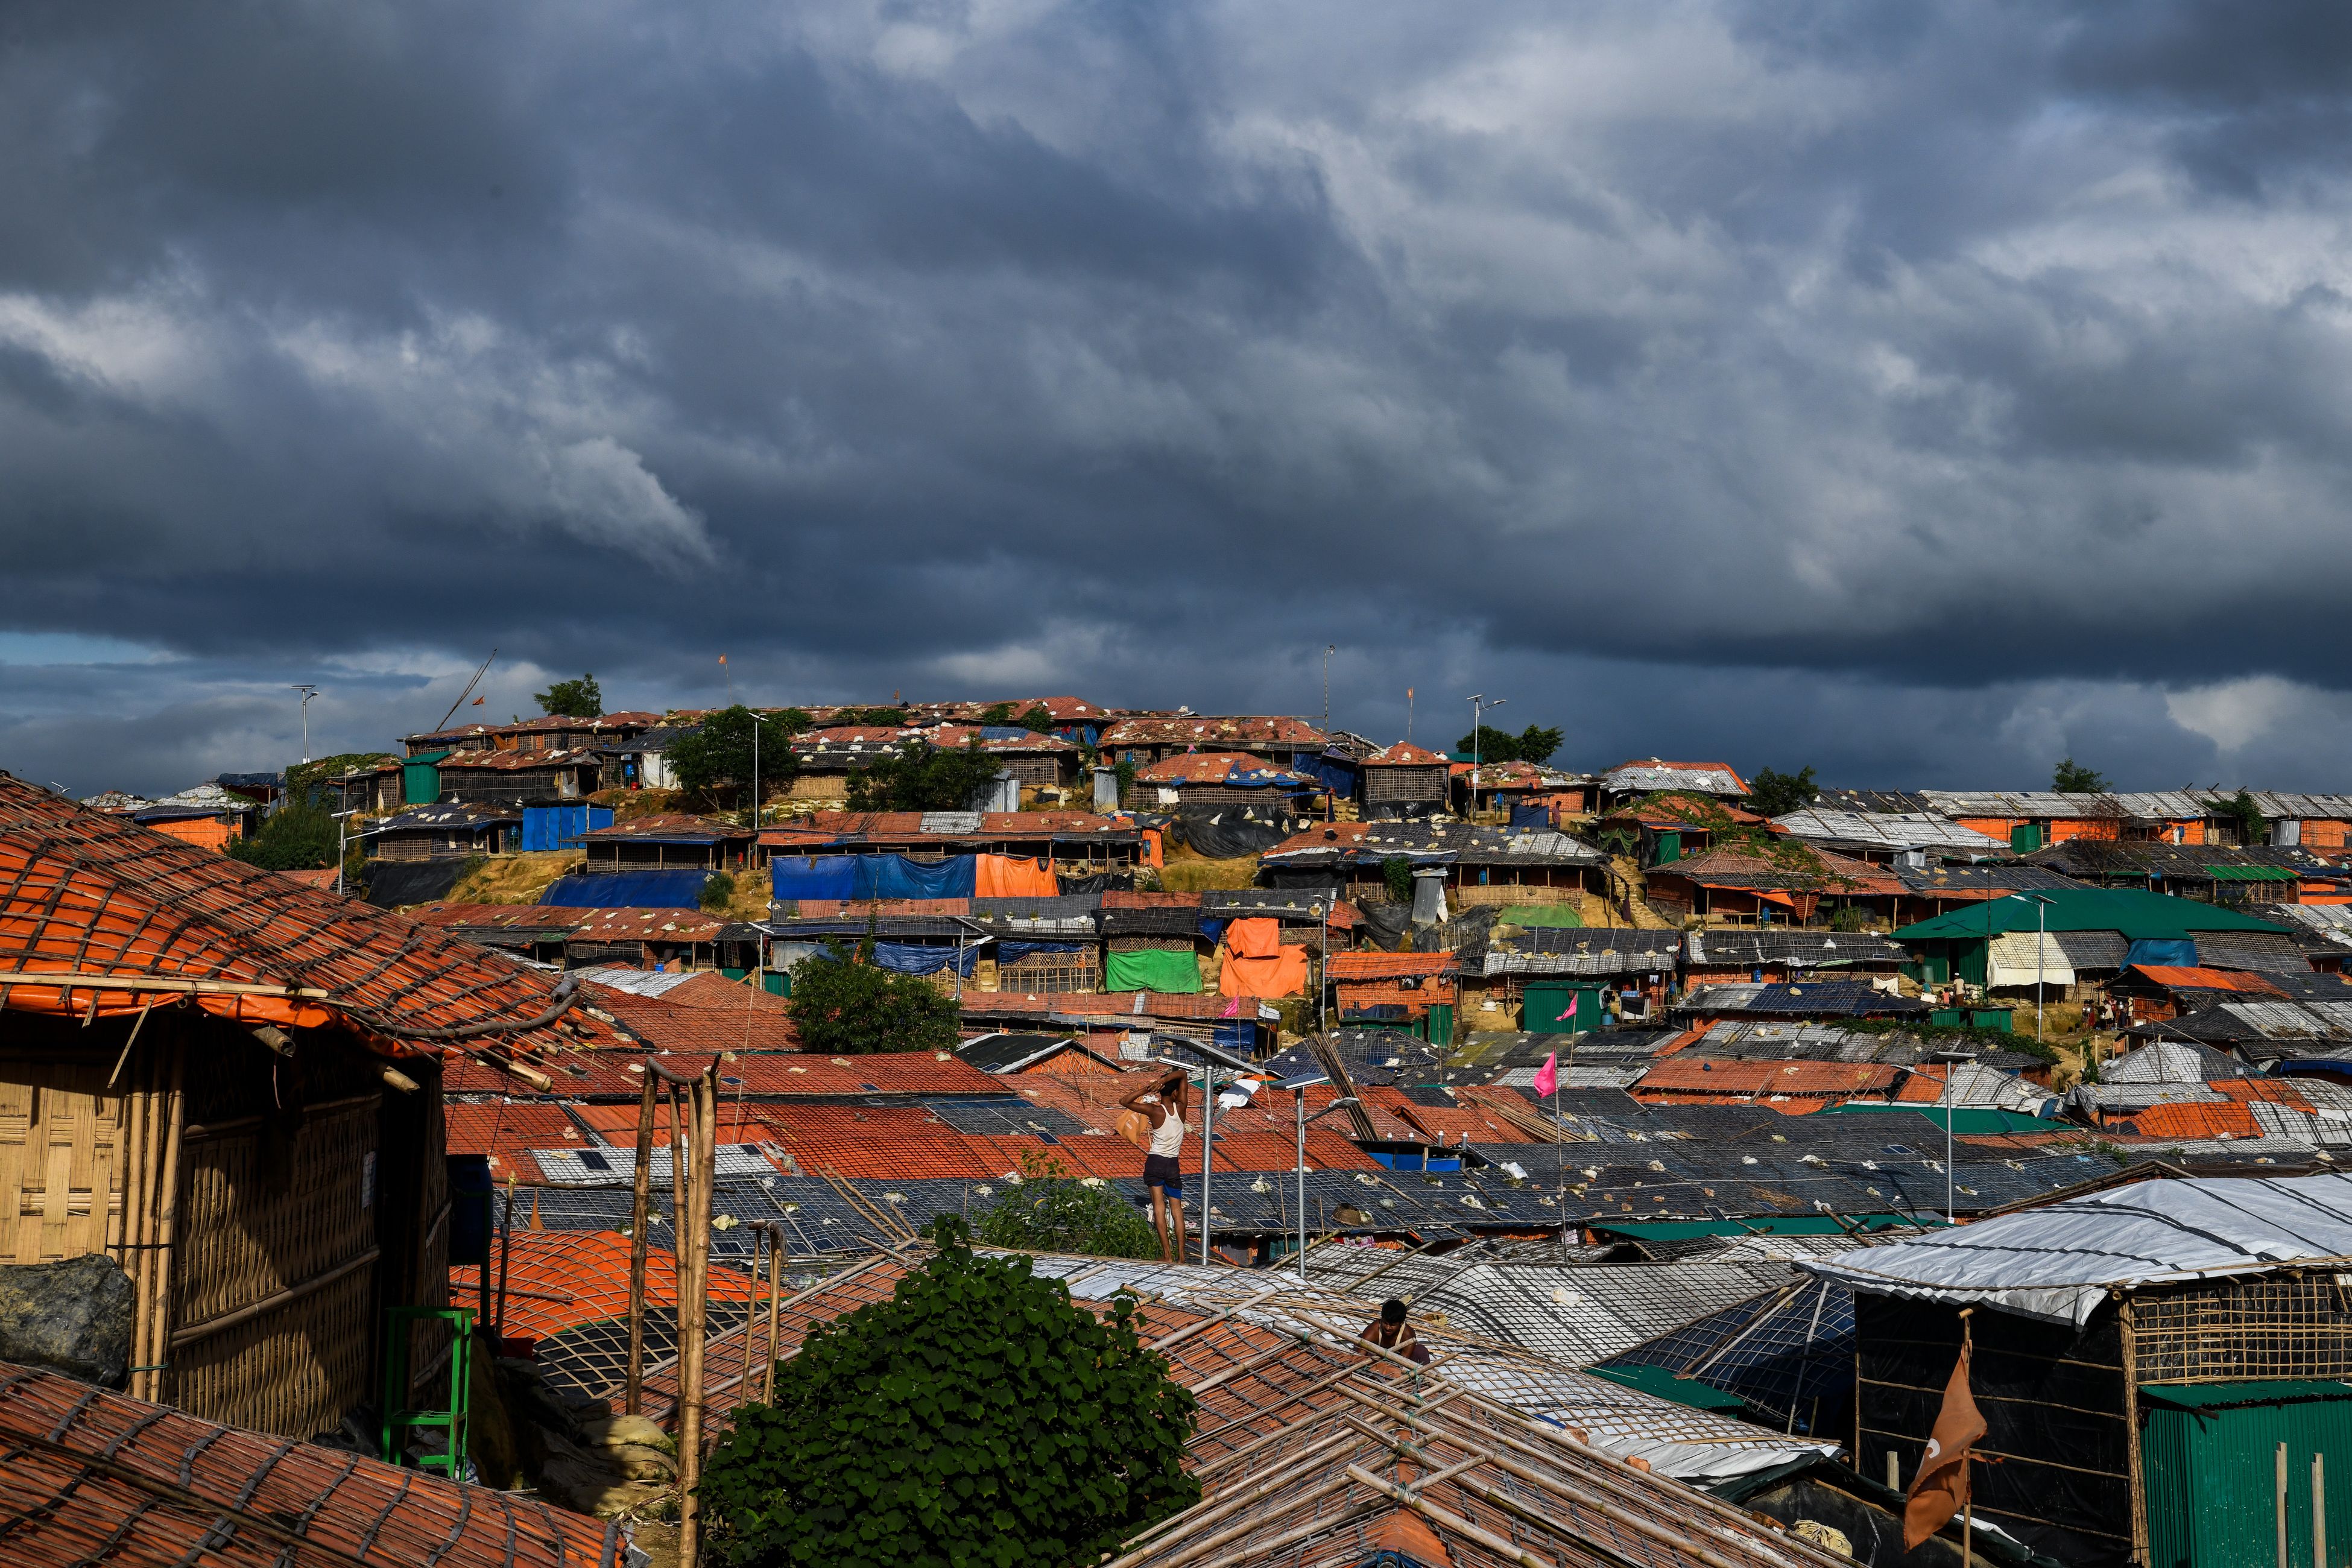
(722,659)
(1940,1490)
(1564,1017)
(1548,1075)
(479,701)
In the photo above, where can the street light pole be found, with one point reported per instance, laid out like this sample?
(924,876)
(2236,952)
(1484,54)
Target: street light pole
(1329,649)
(308,692)
(1478,706)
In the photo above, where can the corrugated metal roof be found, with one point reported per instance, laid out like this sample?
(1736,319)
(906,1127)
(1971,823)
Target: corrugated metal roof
(1889,830)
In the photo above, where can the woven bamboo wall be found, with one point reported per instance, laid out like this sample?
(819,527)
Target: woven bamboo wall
(265,1210)
(293,1371)
(61,1170)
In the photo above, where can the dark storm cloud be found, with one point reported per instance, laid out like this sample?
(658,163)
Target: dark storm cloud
(1964,369)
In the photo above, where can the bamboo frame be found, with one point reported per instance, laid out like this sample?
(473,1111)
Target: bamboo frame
(2127,1331)
(155,1313)
(693,1307)
(634,1400)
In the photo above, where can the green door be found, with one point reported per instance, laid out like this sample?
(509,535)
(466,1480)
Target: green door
(1441,1023)
(1670,846)
(2210,1465)
(1545,1007)
(2025,837)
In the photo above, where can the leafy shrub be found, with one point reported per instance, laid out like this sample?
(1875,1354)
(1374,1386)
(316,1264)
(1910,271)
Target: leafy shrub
(847,1006)
(1397,872)
(1050,1212)
(926,778)
(718,891)
(580,698)
(292,838)
(978,1417)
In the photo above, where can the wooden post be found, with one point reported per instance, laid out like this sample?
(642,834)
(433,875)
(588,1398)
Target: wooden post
(505,1259)
(138,1190)
(694,1261)
(2318,1510)
(775,1277)
(159,1323)
(2279,1496)
(2134,1475)
(641,1216)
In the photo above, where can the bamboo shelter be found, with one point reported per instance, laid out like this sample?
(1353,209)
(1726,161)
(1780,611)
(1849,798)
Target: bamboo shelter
(231,1084)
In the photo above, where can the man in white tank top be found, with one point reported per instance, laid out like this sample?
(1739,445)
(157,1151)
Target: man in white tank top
(1162,1100)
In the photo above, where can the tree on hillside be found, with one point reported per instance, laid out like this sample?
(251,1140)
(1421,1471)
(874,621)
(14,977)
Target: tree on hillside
(997,714)
(1038,718)
(715,761)
(2253,827)
(978,1416)
(295,837)
(2073,778)
(924,778)
(1774,793)
(572,699)
(1533,744)
(844,1005)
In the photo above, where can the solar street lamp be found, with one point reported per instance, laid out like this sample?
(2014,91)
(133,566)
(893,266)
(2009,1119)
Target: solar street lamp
(1298,1087)
(1951,1061)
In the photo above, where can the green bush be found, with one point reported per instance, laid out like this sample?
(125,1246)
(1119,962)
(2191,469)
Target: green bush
(580,698)
(1050,1212)
(926,778)
(718,891)
(292,838)
(978,1417)
(843,1007)
(1397,872)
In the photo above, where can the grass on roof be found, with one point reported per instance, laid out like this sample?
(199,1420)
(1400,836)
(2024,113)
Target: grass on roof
(1557,915)
(1194,874)
(514,879)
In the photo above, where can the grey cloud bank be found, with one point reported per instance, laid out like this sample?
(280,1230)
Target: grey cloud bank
(1921,393)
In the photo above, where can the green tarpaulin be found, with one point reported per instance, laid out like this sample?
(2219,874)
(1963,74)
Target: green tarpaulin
(2139,915)
(2251,874)
(1970,1121)
(1659,1381)
(1153,968)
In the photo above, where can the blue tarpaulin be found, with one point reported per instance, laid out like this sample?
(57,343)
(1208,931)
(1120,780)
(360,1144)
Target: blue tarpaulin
(2173,952)
(555,826)
(896,877)
(1531,816)
(1008,951)
(1213,927)
(815,875)
(1335,773)
(678,890)
(921,958)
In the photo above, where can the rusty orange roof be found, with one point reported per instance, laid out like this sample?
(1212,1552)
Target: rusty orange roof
(95,1476)
(86,899)
(1405,754)
(2183,978)
(1204,729)
(826,827)
(1693,809)
(1710,1076)
(1211,767)
(1376,965)
(558,1280)
(2197,1119)
(1737,866)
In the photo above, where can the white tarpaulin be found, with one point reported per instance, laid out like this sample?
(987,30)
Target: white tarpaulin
(2012,960)
(2060,1262)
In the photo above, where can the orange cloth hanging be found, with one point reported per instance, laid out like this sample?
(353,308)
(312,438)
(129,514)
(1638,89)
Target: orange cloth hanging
(1253,938)
(1009,877)
(1282,974)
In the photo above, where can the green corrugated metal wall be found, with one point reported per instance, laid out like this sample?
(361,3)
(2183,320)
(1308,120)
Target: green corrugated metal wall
(2209,1472)
(1544,1003)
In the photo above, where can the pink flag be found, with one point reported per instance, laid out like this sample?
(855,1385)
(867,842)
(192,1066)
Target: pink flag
(1548,1075)
(1564,1017)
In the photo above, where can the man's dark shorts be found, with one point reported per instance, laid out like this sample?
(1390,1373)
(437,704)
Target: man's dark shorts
(1161,1170)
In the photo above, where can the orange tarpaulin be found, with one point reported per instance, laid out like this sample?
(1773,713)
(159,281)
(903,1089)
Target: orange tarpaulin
(1009,877)
(1253,938)
(1283,975)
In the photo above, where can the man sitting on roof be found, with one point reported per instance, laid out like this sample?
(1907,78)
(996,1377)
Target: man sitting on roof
(1391,1332)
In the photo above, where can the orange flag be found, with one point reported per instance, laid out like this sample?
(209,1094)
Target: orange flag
(1942,1487)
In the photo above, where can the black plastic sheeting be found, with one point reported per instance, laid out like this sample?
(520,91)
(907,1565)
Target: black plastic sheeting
(392,884)
(1789,1353)
(1100,882)
(1229,835)
(2053,1401)
(1467,933)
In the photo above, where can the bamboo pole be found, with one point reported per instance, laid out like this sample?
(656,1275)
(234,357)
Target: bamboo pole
(138,1193)
(693,1286)
(776,1289)
(641,1218)
(159,1323)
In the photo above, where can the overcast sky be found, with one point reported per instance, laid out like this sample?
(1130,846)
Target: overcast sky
(1924,393)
